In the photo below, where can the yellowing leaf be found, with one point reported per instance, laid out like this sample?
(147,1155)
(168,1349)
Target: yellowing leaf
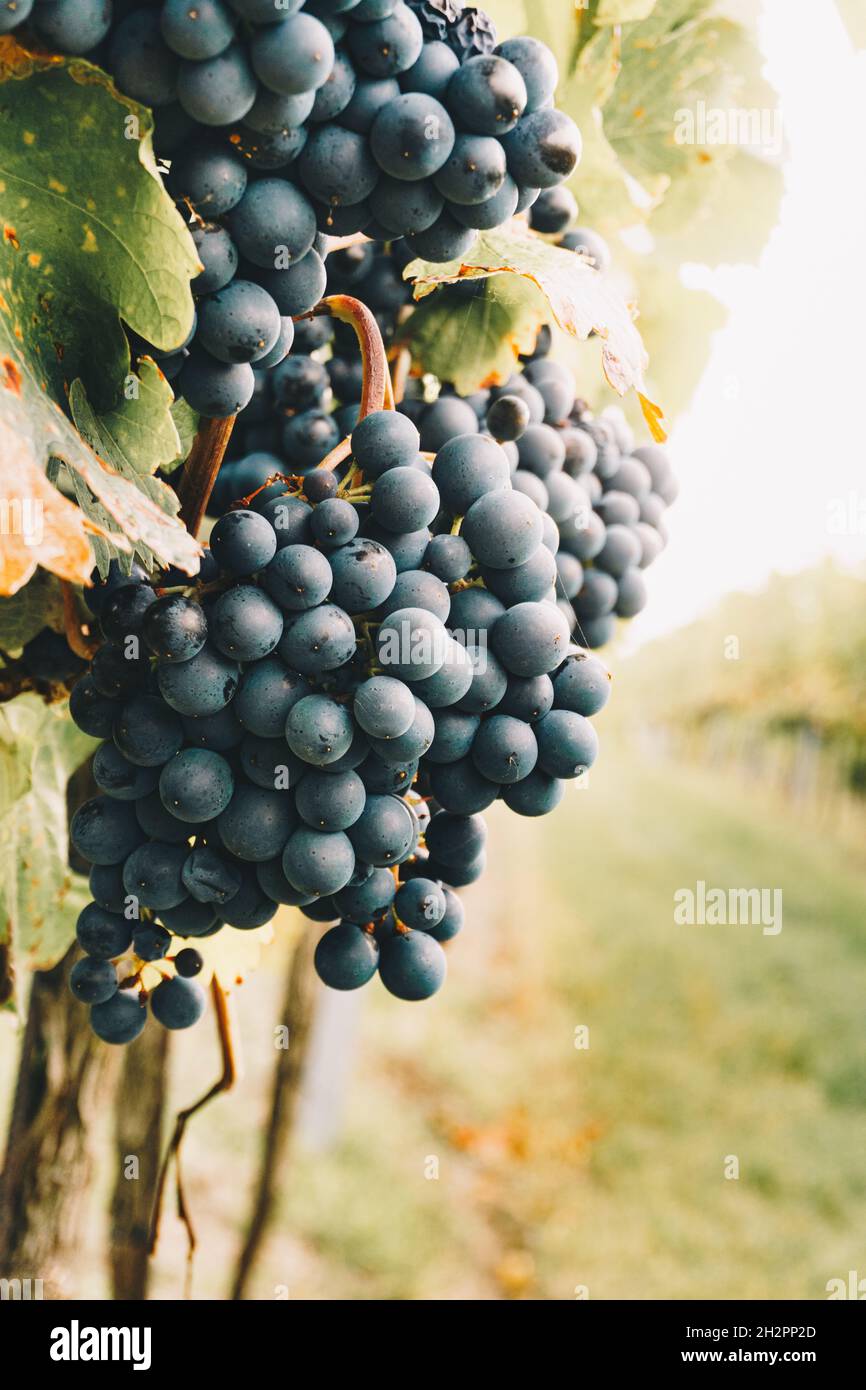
(581,300)
(39,526)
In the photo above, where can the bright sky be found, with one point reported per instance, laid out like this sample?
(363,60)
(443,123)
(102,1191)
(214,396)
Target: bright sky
(775,435)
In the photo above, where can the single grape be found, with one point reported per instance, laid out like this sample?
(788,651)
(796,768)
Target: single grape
(257,823)
(215,389)
(243,542)
(293,56)
(188,963)
(203,685)
(196,785)
(175,628)
(384,707)
(455,731)
(504,749)
(125,611)
(245,624)
(105,831)
(460,787)
(452,921)
(318,862)
(273,219)
(364,901)
(567,743)
(102,934)
(119,778)
(209,876)
(385,832)
(468,467)
(487,95)
(420,903)
(387,46)
(364,574)
(536,65)
(412,965)
(449,558)
(346,957)
(150,942)
(530,639)
(502,529)
(543,149)
(385,439)
(140,61)
(92,712)
(321,639)
(330,801)
(319,730)
(93,981)
(508,418)
(432,70)
(250,906)
(411,643)
(119,1019)
(412,136)
(177,1003)
(152,874)
(336,166)
(536,795)
(213,179)
(219,90)
(197,29)
(267,693)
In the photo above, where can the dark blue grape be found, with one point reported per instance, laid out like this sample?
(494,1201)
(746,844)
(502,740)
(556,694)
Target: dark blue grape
(294,56)
(389,45)
(215,389)
(412,644)
(245,624)
(93,981)
(240,323)
(460,787)
(536,65)
(444,240)
(567,743)
(150,942)
(319,640)
(257,822)
(385,439)
(175,628)
(346,957)
(318,862)
(196,785)
(582,685)
(140,61)
(543,149)
(119,1019)
(92,712)
(412,965)
(456,839)
(364,573)
(220,731)
(319,730)
(267,693)
(369,96)
(190,919)
(536,795)
(330,801)
(268,763)
(105,831)
(152,874)
(106,885)
(177,1003)
(504,749)
(455,731)
(118,777)
(210,877)
(125,611)
(405,208)
(380,777)
(273,215)
(188,963)
(527,583)
(449,558)
(336,166)
(384,707)
(243,542)
(365,901)
(487,95)
(420,903)
(452,921)
(213,179)
(197,29)
(432,70)
(275,885)
(102,934)
(203,685)
(250,906)
(531,639)
(385,832)
(489,680)
(219,90)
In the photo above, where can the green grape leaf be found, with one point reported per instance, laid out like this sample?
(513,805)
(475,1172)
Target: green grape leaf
(40,896)
(34,607)
(140,428)
(89,238)
(475,342)
(581,300)
(155,542)
(186,422)
(693,223)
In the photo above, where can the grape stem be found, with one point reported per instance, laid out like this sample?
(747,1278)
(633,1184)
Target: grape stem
(201,469)
(377,393)
(78,642)
(223,1083)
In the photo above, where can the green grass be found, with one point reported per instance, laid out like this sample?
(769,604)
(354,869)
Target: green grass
(604,1167)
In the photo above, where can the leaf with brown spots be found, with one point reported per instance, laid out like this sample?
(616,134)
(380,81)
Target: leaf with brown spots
(92,241)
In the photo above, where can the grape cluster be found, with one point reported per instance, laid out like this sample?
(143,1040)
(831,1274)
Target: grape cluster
(283,121)
(319,719)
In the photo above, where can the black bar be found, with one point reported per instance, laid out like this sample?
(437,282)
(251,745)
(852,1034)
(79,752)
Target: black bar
(268,1338)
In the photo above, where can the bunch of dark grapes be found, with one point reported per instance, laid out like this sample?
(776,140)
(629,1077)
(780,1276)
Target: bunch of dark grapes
(320,719)
(604,498)
(282,120)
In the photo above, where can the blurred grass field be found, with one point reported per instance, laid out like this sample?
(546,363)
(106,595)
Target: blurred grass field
(561,1169)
